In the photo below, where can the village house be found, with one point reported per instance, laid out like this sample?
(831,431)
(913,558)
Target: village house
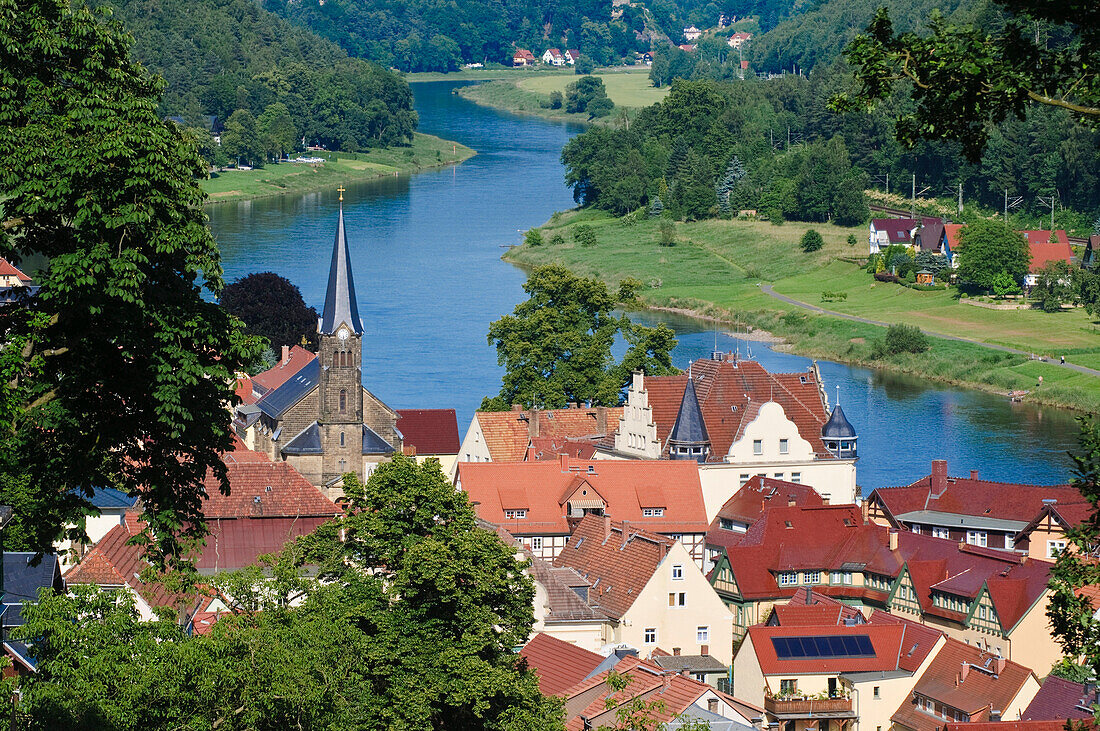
(563,613)
(1044,248)
(993,599)
(572,55)
(523,57)
(691,33)
(748,504)
(979,512)
(558,664)
(739,39)
(507,436)
(737,420)
(966,684)
(112,505)
(1044,537)
(10,276)
(931,237)
(951,233)
(541,502)
(24,575)
(553,57)
(649,586)
(888,231)
(431,434)
(687,47)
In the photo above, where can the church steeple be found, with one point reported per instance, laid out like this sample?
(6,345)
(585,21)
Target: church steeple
(340,303)
(689,439)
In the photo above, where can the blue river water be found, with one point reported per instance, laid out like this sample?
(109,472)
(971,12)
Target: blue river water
(429,280)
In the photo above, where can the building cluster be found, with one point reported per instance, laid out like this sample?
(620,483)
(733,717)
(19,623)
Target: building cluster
(523,57)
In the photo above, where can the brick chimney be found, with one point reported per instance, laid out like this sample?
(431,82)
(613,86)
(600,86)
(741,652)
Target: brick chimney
(533,423)
(704,649)
(939,477)
(675,651)
(601,420)
(893,540)
(965,671)
(517,407)
(999,665)
(791,502)
(606,526)
(286,355)
(973,474)
(626,532)
(564,458)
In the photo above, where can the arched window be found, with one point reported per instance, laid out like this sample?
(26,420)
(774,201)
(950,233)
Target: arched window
(343,358)
(341,439)
(343,400)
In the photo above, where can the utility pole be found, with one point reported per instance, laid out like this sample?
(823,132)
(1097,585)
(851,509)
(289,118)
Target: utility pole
(788,137)
(913,212)
(960,198)
(887,183)
(1006,206)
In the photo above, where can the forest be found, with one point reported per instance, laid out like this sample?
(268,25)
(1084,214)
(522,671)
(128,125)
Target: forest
(220,57)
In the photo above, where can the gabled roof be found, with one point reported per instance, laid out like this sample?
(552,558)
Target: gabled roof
(984,686)
(523,53)
(265,489)
(282,371)
(430,431)
(1067,515)
(341,306)
(507,434)
(625,488)
(559,664)
(563,604)
(750,501)
(951,233)
(916,643)
(276,403)
(7,269)
(884,640)
(22,582)
(617,559)
(1060,699)
(1043,251)
(373,443)
(239,542)
(898,230)
(108,498)
(810,608)
(931,234)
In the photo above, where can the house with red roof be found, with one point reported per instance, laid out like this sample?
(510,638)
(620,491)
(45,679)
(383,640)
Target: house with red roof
(994,599)
(523,57)
(542,502)
(739,39)
(592,703)
(562,610)
(431,434)
(559,664)
(11,276)
(1060,699)
(982,512)
(811,608)
(737,420)
(889,231)
(746,506)
(649,587)
(1045,247)
(572,55)
(509,436)
(553,57)
(966,684)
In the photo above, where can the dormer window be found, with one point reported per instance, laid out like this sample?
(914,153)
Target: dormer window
(517,514)
(653,512)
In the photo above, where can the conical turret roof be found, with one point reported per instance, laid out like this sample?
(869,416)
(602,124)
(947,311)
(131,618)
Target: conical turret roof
(689,427)
(838,426)
(340,303)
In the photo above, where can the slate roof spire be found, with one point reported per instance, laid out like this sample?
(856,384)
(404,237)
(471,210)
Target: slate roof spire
(688,438)
(340,302)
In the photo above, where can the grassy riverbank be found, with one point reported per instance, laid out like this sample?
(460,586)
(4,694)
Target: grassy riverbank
(716,267)
(426,151)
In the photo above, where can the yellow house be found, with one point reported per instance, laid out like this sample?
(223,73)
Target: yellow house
(1045,536)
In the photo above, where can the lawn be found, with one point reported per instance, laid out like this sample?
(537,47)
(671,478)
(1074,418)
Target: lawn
(626,89)
(340,167)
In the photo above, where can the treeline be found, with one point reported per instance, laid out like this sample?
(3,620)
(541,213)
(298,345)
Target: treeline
(220,57)
(1045,154)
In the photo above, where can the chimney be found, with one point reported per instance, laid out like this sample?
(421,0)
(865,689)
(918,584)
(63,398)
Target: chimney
(704,649)
(999,665)
(572,404)
(626,532)
(257,505)
(965,672)
(533,423)
(601,420)
(286,355)
(606,526)
(517,407)
(973,474)
(791,502)
(684,670)
(564,458)
(809,596)
(675,651)
(893,540)
(939,477)
(825,499)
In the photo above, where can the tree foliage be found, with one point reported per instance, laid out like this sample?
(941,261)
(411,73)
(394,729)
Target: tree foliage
(272,308)
(811,241)
(118,372)
(1054,287)
(900,338)
(989,248)
(588,95)
(556,346)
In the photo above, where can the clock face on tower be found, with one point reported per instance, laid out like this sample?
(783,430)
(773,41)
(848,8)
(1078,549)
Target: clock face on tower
(342,333)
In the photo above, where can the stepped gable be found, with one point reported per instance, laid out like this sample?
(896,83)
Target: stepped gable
(617,558)
(508,433)
(430,431)
(559,664)
(917,641)
(966,678)
(264,489)
(546,488)
(1060,699)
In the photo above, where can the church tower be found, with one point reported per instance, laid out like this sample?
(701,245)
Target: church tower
(340,417)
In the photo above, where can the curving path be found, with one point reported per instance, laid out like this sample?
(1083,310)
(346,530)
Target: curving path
(768,290)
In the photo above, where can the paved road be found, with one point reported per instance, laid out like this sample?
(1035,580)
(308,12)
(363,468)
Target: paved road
(767,289)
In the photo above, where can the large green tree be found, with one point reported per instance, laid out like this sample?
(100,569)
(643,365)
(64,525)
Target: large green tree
(991,248)
(272,307)
(556,346)
(118,372)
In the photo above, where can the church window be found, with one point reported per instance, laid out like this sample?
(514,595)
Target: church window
(341,439)
(343,400)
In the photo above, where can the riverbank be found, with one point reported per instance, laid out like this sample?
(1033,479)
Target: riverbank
(716,269)
(426,151)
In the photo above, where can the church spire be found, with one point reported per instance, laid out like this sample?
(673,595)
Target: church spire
(340,304)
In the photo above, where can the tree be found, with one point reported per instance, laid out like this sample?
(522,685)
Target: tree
(584,235)
(278,135)
(1003,285)
(900,338)
(811,241)
(735,171)
(1054,287)
(987,248)
(556,346)
(118,372)
(929,260)
(556,99)
(965,80)
(272,308)
(533,237)
(1086,286)
(241,139)
(583,93)
(656,207)
(584,65)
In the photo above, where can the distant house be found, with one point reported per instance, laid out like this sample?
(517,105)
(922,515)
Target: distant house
(523,57)
(739,39)
(506,436)
(553,57)
(1045,536)
(951,232)
(748,504)
(687,47)
(647,58)
(931,237)
(24,579)
(572,55)
(1092,250)
(1060,699)
(691,33)
(112,505)
(1045,247)
(431,433)
(10,276)
(888,231)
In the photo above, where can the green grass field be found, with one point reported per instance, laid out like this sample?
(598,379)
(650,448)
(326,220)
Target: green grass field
(716,267)
(626,89)
(283,178)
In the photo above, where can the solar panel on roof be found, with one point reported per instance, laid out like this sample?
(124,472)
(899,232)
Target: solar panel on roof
(823,646)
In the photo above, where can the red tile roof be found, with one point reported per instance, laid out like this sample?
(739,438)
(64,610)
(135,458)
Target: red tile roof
(7,269)
(545,489)
(523,53)
(951,233)
(282,371)
(752,499)
(508,433)
(898,230)
(431,431)
(885,639)
(1058,725)
(918,640)
(985,685)
(729,391)
(808,607)
(238,542)
(551,448)
(617,562)
(261,488)
(1060,699)
(559,664)
(1043,250)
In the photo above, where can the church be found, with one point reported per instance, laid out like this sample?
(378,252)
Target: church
(311,410)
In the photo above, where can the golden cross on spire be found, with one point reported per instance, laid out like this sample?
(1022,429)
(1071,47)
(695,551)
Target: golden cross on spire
(340,190)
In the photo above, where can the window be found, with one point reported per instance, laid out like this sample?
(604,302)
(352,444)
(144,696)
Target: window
(519,514)
(744,478)
(677,573)
(841,577)
(788,686)
(1010,540)
(788,578)
(341,439)
(725,524)
(677,599)
(343,400)
(783,446)
(938,532)
(813,577)
(981,612)
(342,466)
(778,475)
(796,477)
(702,634)
(977,537)
(675,536)
(652,512)
(650,636)
(536,544)
(915,527)
(876,693)
(757,446)
(1054,548)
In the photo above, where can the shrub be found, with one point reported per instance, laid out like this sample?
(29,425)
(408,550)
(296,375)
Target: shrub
(556,240)
(885,277)
(811,241)
(668,233)
(900,338)
(556,99)
(533,237)
(628,289)
(827,296)
(852,240)
(584,235)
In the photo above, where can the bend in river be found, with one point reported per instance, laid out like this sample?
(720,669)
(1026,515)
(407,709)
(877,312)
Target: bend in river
(426,250)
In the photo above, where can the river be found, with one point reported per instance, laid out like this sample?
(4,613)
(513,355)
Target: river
(426,250)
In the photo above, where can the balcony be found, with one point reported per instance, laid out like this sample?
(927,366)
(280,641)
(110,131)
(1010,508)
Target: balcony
(789,708)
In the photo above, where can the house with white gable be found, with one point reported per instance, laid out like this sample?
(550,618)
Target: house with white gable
(553,57)
(691,33)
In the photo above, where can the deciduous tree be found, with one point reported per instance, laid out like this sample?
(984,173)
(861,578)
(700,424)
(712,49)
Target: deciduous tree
(988,248)
(272,308)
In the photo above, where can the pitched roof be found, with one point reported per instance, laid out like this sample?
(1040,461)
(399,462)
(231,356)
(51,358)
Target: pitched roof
(563,604)
(551,448)
(809,608)
(523,53)
(508,433)
(618,560)
(885,641)
(106,498)
(430,431)
(898,230)
(238,542)
(264,489)
(1060,699)
(689,428)
(276,403)
(7,269)
(624,488)
(307,441)
(282,371)
(373,443)
(23,580)
(1056,725)
(951,234)
(559,664)
(931,234)
(750,501)
(917,642)
(1044,251)
(341,306)
(984,687)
